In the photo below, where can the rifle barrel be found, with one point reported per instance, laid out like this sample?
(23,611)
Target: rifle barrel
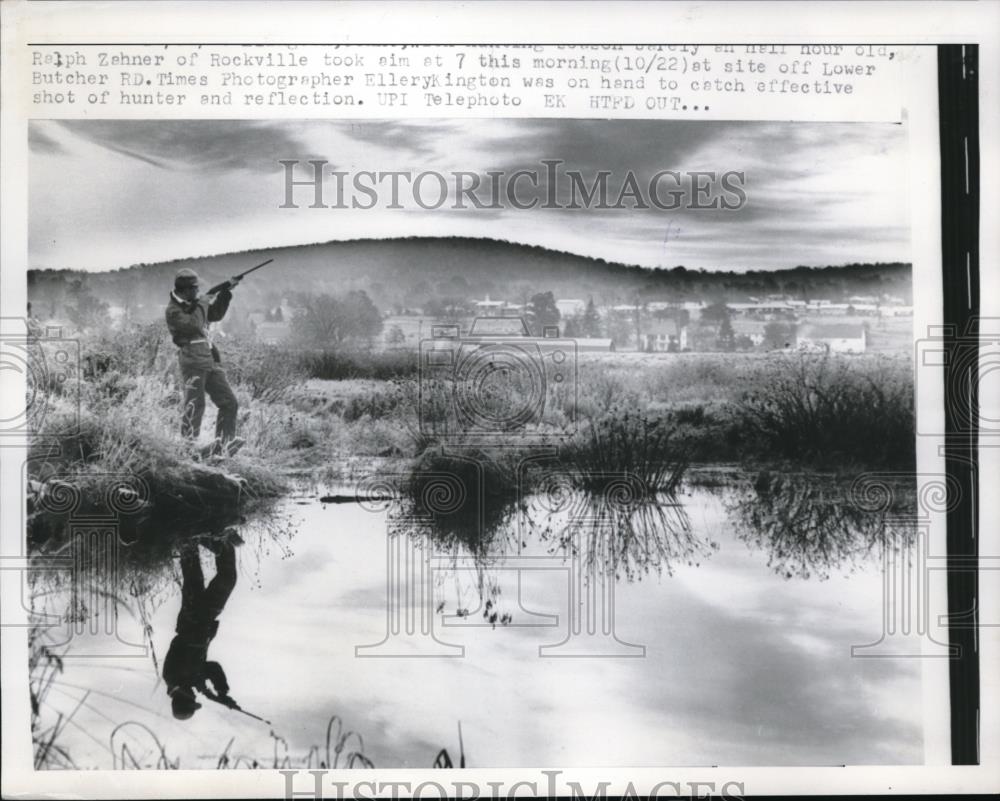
(257,267)
(224,284)
(251,715)
(237,708)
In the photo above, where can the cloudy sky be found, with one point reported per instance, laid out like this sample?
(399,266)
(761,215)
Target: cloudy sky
(107,194)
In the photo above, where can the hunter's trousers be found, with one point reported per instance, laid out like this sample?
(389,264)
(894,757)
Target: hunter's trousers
(212,380)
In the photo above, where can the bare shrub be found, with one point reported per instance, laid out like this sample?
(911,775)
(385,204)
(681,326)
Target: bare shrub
(266,372)
(830,407)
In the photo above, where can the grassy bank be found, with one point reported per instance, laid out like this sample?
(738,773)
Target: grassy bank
(110,436)
(333,415)
(644,415)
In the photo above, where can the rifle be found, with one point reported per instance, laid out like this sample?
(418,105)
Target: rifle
(229,284)
(229,703)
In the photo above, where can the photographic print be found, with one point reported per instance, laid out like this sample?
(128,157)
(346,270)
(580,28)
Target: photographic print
(519,442)
(498,400)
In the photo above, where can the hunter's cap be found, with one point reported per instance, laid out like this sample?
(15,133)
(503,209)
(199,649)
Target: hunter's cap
(185,277)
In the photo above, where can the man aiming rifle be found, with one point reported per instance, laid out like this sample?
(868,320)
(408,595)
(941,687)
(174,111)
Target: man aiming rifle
(188,316)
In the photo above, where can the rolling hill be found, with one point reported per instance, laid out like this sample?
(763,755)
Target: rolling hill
(409,271)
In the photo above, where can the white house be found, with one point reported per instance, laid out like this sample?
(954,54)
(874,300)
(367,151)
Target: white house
(489,307)
(831,337)
(570,307)
(594,345)
(664,335)
(753,329)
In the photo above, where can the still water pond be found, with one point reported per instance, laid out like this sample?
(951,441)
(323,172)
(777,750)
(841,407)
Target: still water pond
(714,627)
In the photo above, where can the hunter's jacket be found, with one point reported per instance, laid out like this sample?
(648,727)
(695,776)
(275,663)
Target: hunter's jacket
(188,324)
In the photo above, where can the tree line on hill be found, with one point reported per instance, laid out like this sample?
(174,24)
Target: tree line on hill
(420,272)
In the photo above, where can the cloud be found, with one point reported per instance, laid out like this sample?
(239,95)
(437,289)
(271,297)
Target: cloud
(216,145)
(110,193)
(40,143)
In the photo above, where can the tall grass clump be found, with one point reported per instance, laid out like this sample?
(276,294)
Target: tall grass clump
(134,348)
(690,378)
(44,665)
(338,365)
(375,404)
(830,409)
(266,372)
(631,442)
(462,498)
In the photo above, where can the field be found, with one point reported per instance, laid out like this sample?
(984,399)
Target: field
(330,416)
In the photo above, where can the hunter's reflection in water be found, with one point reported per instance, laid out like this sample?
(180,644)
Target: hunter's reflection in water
(186,668)
(810,526)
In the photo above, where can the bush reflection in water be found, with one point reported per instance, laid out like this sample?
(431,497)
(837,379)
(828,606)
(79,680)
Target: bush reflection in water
(613,523)
(811,525)
(493,512)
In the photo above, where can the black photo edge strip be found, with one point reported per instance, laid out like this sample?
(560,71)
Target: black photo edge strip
(958,109)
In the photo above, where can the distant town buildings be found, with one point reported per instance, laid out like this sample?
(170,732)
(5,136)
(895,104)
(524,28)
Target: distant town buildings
(489,307)
(774,322)
(831,337)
